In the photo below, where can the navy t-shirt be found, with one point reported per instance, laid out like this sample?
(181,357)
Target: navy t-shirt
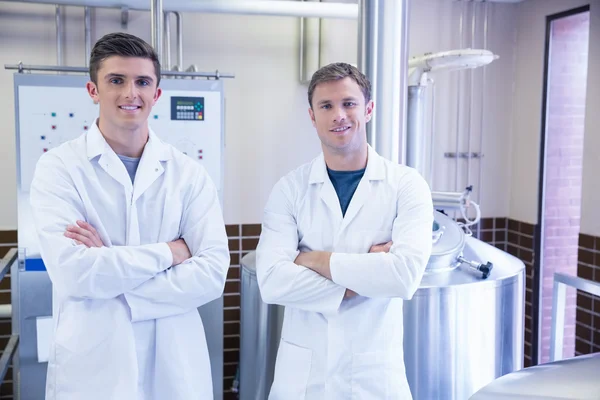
(345,184)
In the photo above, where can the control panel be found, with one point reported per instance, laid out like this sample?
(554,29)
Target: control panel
(190,120)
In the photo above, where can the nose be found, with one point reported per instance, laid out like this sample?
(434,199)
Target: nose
(130,91)
(339,115)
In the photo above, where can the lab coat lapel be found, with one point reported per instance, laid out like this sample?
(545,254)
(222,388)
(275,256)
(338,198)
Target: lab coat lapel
(375,171)
(150,168)
(108,161)
(318,175)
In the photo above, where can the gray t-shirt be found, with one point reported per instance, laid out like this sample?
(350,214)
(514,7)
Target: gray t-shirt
(131,164)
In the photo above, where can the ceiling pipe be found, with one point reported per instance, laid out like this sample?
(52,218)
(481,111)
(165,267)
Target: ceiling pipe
(255,7)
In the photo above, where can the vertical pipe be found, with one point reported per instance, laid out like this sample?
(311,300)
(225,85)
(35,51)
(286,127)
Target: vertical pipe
(167,41)
(458,97)
(59,35)
(415,133)
(383,58)
(482,117)
(432,134)
(367,49)
(471,96)
(87,21)
(156,13)
(179,40)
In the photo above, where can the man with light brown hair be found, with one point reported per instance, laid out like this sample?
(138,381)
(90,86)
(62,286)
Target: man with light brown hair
(345,240)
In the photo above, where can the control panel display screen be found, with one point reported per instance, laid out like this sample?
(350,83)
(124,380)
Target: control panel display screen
(187,108)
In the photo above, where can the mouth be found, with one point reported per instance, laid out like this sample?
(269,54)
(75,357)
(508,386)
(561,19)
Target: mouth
(130,108)
(340,129)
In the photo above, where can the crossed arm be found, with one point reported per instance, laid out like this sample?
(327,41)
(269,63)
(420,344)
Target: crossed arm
(319,280)
(157,280)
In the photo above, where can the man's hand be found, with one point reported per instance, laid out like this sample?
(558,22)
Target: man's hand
(381,248)
(84,233)
(318,261)
(180,251)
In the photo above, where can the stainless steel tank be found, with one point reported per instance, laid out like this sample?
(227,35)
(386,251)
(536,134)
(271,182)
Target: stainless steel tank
(575,378)
(464,326)
(260,331)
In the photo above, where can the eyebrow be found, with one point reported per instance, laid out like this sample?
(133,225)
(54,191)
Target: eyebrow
(345,99)
(112,75)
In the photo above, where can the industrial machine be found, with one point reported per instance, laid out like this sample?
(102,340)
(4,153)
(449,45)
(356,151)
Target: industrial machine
(52,109)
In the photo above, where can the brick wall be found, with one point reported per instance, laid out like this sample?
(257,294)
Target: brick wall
(8,240)
(587,331)
(517,238)
(566,88)
(242,239)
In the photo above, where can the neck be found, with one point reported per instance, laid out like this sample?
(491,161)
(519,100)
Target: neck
(125,142)
(339,161)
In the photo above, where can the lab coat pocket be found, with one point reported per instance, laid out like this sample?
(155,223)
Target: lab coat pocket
(369,376)
(84,325)
(292,370)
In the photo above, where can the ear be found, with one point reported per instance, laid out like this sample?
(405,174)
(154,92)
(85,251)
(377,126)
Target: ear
(156,95)
(312,116)
(369,110)
(92,90)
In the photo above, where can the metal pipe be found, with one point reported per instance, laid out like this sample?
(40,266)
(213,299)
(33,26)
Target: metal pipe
(482,117)
(156,18)
(471,96)
(179,18)
(310,47)
(432,134)
(87,21)
(7,355)
(5,311)
(559,300)
(383,58)
(254,7)
(59,42)
(448,200)
(50,68)
(415,132)
(167,44)
(458,95)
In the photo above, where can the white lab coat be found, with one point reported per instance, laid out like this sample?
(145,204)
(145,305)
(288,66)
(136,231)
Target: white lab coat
(104,298)
(333,348)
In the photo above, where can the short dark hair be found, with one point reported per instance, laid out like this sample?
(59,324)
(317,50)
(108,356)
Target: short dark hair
(124,45)
(337,71)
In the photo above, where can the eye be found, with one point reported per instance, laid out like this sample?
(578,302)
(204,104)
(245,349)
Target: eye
(116,81)
(349,104)
(143,82)
(326,106)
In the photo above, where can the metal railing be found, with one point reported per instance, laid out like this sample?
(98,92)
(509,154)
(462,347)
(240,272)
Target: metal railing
(9,351)
(559,301)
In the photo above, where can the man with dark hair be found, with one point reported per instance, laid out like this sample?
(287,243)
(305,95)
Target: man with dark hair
(345,240)
(132,235)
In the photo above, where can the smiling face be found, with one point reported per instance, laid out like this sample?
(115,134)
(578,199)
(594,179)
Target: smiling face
(340,115)
(126,89)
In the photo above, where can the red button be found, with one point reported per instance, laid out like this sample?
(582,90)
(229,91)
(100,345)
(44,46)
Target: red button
(45,150)
(200,151)
(53,126)
(85,128)
(200,157)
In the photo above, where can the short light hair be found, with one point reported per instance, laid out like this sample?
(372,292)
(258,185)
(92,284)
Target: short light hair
(337,71)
